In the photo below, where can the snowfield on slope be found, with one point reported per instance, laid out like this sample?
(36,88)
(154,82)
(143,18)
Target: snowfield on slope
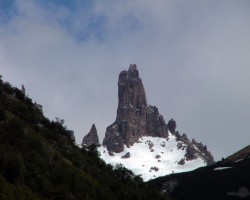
(152,157)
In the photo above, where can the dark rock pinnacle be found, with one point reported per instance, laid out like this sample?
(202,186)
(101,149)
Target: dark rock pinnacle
(135,118)
(91,137)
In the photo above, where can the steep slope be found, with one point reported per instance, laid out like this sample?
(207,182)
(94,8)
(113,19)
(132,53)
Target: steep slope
(240,155)
(142,141)
(39,160)
(226,179)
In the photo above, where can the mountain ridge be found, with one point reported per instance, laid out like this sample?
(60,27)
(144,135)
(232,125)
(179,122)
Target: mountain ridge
(137,119)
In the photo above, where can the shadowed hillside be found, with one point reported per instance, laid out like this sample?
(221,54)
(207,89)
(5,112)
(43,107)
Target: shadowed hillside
(39,160)
(226,179)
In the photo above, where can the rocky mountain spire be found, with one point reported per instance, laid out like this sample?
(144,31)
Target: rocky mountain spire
(131,92)
(148,139)
(135,118)
(91,137)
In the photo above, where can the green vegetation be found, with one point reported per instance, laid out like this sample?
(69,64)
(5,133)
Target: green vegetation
(39,160)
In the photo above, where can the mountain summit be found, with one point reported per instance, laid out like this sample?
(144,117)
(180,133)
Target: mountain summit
(135,118)
(142,141)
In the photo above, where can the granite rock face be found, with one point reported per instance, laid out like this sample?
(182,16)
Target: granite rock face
(91,137)
(135,118)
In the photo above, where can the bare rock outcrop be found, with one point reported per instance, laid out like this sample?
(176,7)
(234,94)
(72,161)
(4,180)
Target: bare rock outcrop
(91,137)
(135,118)
(127,155)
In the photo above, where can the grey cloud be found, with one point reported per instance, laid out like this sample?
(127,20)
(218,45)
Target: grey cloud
(193,58)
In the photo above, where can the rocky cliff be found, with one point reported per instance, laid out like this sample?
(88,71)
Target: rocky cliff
(135,119)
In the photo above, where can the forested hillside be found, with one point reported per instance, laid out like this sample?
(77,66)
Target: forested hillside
(39,159)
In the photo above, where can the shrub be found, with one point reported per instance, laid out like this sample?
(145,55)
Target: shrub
(2,114)
(13,167)
(14,131)
(19,94)
(8,88)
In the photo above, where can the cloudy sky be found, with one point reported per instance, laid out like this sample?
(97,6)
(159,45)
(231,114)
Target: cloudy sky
(193,57)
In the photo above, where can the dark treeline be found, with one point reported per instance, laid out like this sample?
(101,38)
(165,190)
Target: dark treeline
(39,159)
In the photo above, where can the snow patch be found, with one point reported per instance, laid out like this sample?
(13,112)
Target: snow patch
(142,159)
(222,168)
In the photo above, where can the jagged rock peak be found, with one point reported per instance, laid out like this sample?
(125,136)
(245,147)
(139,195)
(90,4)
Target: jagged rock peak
(130,88)
(171,125)
(140,131)
(132,67)
(135,118)
(91,137)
